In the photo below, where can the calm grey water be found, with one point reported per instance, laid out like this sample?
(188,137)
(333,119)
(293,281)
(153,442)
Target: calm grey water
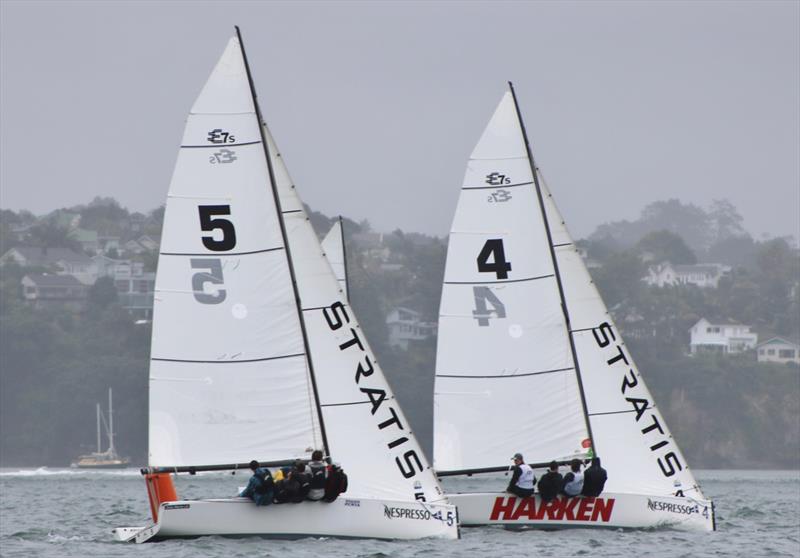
(55,513)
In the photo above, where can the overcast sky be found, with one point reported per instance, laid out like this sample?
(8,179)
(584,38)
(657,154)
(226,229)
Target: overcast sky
(377,105)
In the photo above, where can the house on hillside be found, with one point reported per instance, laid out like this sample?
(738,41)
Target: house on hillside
(722,337)
(44,289)
(406,325)
(142,244)
(63,261)
(87,239)
(699,275)
(134,285)
(778,349)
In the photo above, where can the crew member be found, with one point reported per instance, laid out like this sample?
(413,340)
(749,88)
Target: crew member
(260,487)
(523,479)
(551,482)
(573,480)
(594,479)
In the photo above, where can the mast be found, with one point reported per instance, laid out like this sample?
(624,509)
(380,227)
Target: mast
(344,261)
(110,424)
(285,237)
(555,268)
(99,447)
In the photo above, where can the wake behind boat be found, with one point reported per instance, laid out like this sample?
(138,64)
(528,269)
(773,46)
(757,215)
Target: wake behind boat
(529,360)
(257,354)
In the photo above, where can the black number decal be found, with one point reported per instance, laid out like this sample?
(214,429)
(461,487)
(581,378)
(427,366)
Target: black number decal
(213,275)
(494,248)
(482,313)
(209,223)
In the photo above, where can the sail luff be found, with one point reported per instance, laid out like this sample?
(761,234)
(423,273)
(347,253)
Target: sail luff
(344,260)
(564,307)
(287,248)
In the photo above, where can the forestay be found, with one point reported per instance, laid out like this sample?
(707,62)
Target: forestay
(505,377)
(333,246)
(365,427)
(629,432)
(229,380)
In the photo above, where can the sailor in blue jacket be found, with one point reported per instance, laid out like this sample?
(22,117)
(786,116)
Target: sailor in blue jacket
(260,487)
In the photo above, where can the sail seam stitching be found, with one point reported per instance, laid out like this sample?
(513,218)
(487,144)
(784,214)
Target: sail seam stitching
(508,375)
(219,145)
(498,282)
(220,253)
(499,186)
(227,361)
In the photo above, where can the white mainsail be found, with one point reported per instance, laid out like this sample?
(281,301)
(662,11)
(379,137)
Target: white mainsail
(480,422)
(255,352)
(333,246)
(505,378)
(229,380)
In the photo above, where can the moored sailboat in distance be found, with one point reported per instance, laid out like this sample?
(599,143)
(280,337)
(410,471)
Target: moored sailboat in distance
(256,353)
(108,459)
(530,361)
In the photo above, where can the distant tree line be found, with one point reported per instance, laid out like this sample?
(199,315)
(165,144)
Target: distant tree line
(725,411)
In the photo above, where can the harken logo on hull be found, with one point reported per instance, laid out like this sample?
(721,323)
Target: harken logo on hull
(589,509)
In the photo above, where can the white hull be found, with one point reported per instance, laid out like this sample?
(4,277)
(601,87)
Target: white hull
(614,510)
(343,518)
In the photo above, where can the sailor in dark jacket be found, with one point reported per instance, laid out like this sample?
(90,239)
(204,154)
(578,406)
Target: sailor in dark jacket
(550,484)
(260,487)
(594,479)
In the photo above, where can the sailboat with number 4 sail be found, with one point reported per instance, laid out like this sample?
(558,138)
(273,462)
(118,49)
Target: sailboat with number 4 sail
(530,361)
(256,353)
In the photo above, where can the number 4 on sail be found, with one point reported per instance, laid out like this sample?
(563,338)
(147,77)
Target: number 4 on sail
(256,352)
(528,360)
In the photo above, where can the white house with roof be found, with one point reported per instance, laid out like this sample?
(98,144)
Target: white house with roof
(46,289)
(406,325)
(779,350)
(63,261)
(134,285)
(723,337)
(699,275)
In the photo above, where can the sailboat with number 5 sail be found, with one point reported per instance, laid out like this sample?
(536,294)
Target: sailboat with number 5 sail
(529,360)
(256,353)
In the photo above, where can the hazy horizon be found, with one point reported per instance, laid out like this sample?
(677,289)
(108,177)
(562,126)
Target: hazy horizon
(377,106)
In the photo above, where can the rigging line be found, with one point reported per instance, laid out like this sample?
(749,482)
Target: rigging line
(219,145)
(508,375)
(226,361)
(276,197)
(554,259)
(498,282)
(221,254)
(313,308)
(344,261)
(499,186)
(562,244)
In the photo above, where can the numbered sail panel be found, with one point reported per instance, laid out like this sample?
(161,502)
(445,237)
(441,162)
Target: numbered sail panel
(482,422)
(499,176)
(222,308)
(206,413)
(497,241)
(641,462)
(501,330)
(374,469)
(333,246)
(227,90)
(502,138)
(218,207)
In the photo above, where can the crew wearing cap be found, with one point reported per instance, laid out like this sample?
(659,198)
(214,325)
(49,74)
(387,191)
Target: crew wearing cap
(523,479)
